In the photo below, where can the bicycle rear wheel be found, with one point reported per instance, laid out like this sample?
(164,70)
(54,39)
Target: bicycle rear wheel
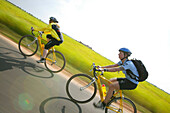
(114,106)
(28,45)
(55,61)
(74,91)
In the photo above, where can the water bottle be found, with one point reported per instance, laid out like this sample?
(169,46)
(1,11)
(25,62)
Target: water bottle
(42,45)
(104,90)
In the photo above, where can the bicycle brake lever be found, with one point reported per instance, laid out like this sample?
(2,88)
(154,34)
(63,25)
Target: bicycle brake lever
(93,64)
(32,32)
(102,73)
(91,70)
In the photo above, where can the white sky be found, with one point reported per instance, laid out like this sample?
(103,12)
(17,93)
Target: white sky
(143,26)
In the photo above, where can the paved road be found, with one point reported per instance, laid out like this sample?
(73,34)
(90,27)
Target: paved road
(27,87)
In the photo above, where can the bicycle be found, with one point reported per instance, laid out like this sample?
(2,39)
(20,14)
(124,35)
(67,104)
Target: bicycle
(28,46)
(117,104)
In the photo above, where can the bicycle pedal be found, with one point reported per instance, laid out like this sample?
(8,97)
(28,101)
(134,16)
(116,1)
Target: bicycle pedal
(112,97)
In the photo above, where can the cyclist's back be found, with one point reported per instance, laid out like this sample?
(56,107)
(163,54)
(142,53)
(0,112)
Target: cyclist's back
(55,29)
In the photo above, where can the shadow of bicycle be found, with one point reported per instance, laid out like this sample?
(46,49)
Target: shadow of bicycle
(8,61)
(59,105)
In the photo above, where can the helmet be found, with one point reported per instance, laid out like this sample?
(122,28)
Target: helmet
(53,19)
(126,50)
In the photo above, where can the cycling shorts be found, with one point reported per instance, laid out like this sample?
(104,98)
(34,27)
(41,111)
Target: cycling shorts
(126,84)
(52,42)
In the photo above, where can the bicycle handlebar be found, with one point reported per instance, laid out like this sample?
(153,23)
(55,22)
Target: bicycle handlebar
(32,31)
(94,67)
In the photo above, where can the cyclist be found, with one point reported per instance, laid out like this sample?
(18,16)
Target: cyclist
(126,83)
(54,38)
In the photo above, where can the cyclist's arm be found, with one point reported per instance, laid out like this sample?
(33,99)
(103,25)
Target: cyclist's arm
(47,28)
(110,66)
(39,29)
(114,69)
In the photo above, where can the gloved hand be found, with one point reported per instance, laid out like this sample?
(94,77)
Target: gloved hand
(98,66)
(32,29)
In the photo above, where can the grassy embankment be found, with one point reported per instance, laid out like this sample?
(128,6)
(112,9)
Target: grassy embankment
(15,23)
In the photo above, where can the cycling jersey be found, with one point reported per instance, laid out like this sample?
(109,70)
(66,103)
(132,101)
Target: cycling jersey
(128,65)
(54,30)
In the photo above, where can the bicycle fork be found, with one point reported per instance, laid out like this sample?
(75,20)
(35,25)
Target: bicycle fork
(92,81)
(32,42)
(41,48)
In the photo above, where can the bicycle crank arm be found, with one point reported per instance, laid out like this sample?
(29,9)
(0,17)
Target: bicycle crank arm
(53,63)
(93,80)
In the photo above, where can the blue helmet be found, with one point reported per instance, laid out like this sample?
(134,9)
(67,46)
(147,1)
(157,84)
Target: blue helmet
(126,50)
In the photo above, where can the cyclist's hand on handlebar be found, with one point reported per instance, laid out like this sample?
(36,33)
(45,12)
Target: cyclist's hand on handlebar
(41,32)
(98,67)
(32,28)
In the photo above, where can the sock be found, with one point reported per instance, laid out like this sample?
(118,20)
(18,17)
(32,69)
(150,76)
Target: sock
(113,92)
(103,104)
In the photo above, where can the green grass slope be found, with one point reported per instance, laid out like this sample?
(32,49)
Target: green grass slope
(15,23)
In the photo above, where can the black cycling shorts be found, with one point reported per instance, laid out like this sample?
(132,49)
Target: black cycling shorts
(52,42)
(125,84)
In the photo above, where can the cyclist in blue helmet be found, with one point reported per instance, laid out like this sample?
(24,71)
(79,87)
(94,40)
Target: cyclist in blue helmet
(126,83)
(126,51)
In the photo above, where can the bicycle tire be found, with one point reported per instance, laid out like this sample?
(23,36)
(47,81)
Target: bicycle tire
(57,65)
(28,45)
(128,105)
(80,80)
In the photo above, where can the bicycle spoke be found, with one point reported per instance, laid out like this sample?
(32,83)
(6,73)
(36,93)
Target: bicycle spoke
(55,61)
(28,45)
(92,81)
(31,42)
(80,88)
(115,107)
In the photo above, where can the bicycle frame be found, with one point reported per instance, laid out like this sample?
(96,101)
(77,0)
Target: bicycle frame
(98,80)
(100,86)
(39,38)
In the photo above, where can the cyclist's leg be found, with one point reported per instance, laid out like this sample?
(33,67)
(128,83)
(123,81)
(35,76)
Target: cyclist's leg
(127,85)
(118,84)
(52,42)
(49,37)
(47,47)
(113,79)
(49,44)
(113,86)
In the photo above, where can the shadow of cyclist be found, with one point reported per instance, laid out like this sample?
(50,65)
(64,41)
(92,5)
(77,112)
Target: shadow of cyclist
(59,104)
(8,61)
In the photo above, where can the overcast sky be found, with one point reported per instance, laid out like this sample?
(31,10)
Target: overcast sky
(143,26)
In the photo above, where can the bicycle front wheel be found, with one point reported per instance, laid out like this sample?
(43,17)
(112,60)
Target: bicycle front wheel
(55,61)
(79,89)
(127,106)
(28,45)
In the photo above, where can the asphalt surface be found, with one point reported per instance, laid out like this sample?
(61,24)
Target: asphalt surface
(27,87)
